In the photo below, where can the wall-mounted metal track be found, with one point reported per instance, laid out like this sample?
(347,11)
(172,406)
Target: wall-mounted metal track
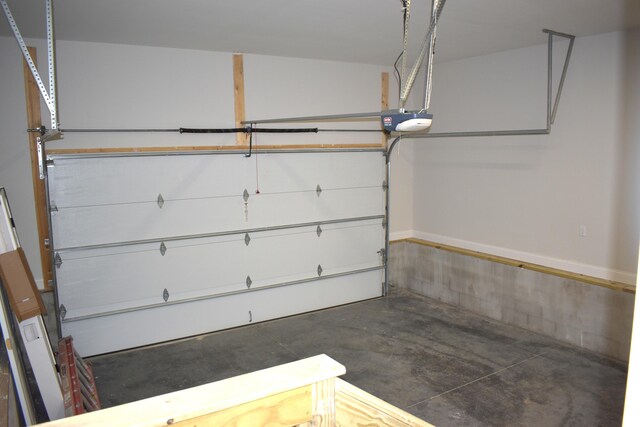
(54,157)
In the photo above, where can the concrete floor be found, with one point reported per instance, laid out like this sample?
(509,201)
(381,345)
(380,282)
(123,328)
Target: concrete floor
(440,363)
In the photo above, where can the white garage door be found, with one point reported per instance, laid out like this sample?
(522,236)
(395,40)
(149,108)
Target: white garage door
(153,247)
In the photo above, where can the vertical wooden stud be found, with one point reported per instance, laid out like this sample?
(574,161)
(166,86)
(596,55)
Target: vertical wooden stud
(238,94)
(384,101)
(34,120)
(323,400)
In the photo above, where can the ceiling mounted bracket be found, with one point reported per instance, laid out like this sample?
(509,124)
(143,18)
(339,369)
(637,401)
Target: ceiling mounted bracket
(551,112)
(49,97)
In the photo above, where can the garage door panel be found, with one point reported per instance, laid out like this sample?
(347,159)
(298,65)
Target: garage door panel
(102,280)
(91,181)
(137,328)
(310,239)
(96,225)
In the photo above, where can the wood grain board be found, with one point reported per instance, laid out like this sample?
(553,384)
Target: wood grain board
(34,120)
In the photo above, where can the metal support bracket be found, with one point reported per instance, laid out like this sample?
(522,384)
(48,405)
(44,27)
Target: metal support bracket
(247,239)
(40,152)
(165,295)
(319,230)
(318,190)
(249,282)
(552,112)
(40,141)
(160,201)
(319,270)
(163,248)
(48,96)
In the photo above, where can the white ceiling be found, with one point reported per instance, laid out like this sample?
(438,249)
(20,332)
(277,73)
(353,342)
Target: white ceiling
(367,31)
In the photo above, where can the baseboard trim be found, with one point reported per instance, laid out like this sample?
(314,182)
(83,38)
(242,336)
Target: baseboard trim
(523,262)
(400,235)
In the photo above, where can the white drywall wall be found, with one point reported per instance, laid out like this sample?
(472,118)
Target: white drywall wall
(123,86)
(526,197)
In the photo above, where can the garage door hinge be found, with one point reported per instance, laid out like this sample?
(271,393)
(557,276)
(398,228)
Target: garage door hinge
(163,248)
(319,270)
(318,190)
(165,295)
(384,186)
(57,260)
(53,208)
(382,253)
(160,201)
(40,152)
(245,195)
(247,239)
(63,311)
(319,231)
(249,282)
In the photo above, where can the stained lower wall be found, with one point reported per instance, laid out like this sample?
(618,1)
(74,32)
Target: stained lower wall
(588,316)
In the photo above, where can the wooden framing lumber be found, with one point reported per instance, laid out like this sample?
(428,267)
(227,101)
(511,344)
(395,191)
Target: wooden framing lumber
(34,121)
(238,96)
(282,394)
(611,284)
(384,101)
(303,393)
(355,407)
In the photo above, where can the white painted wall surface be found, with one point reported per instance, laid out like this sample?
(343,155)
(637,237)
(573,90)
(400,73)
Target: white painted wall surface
(123,86)
(526,197)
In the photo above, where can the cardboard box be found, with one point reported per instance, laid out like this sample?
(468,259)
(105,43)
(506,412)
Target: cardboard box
(18,282)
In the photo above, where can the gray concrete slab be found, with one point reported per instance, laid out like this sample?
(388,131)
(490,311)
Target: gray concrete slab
(439,362)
